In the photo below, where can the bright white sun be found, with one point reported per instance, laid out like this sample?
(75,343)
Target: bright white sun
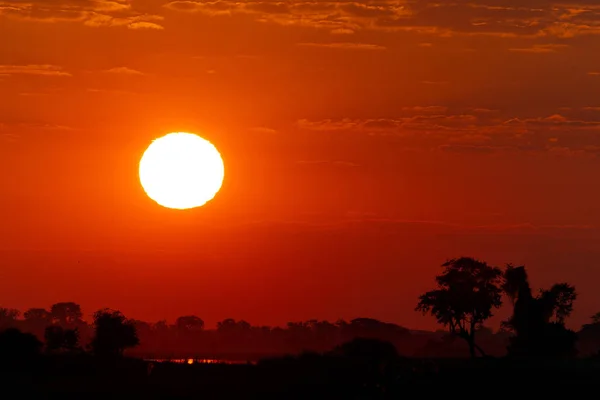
(181,170)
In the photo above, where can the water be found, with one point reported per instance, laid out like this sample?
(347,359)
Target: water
(196,361)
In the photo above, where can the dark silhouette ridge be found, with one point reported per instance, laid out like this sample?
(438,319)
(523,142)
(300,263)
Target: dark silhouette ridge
(361,358)
(59,339)
(17,346)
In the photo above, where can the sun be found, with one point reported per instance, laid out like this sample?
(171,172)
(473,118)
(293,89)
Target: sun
(181,171)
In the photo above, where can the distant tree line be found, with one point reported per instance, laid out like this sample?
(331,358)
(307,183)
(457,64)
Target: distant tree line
(467,293)
(61,330)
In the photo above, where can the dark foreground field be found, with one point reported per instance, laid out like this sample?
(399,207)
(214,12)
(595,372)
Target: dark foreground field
(306,377)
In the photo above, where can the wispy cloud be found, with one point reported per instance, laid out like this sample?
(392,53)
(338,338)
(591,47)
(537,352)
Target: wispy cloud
(345,46)
(531,18)
(145,25)
(426,109)
(42,70)
(540,48)
(94,13)
(8,137)
(123,71)
(473,133)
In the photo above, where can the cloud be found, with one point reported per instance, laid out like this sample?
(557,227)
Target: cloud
(41,70)
(345,46)
(426,109)
(493,18)
(555,120)
(497,18)
(342,31)
(35,126)
(472,149)
(540,48)
(472,133)
(8,137)
(144,25)
(482,110)
(131,22)
(124,71)
(93,13)
(594,73)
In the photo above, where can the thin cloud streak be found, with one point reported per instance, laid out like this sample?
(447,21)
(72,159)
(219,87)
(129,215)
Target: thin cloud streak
(345,46)
(41,70)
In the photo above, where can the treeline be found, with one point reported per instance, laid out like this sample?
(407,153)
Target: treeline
(469,290)
(63,329)
(110,334)
(467,293)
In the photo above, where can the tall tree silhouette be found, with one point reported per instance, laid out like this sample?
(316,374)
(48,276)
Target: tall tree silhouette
(67,313)
(113,333)
(538,321)
(467,292)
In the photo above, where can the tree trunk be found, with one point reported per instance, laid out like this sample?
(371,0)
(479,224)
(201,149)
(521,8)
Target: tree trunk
(480,350)
(471,347)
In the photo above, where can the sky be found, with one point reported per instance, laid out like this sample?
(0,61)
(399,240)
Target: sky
(365,143)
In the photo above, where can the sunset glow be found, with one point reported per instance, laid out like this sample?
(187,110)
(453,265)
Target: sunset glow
(362,143)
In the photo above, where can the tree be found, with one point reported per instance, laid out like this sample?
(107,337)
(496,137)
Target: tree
(538,321)
(467,292)
(8,317)
(16,346)
(113,333)
(589,338)
(66,313)
(38,316)
(60,339)
(189,323)
(558,302)
(36,320)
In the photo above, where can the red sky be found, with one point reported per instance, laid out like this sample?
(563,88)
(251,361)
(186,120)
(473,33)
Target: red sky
(364,144)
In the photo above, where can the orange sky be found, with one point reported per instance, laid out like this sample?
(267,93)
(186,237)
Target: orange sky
(364,144)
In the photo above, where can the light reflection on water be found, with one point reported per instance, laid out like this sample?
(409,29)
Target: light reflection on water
(197,361)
